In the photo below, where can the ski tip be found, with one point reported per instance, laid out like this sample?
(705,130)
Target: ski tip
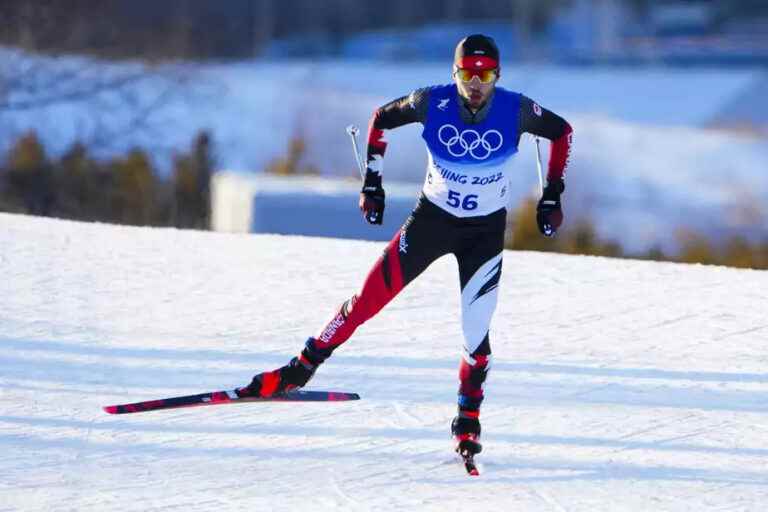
(110,409)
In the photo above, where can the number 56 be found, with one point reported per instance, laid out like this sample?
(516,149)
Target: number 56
(468,203)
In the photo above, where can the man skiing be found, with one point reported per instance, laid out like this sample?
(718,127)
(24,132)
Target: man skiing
(471,129)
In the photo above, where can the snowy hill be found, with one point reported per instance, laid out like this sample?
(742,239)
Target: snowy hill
(644,162)
(616,384)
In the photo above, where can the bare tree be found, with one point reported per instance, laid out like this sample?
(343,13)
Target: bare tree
(96,101)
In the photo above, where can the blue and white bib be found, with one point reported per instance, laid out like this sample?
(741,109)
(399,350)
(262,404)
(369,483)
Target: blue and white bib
(468,164)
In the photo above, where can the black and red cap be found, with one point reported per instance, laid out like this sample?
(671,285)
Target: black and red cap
(476,52)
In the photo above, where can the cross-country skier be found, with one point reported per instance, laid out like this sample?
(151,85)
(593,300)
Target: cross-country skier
(472,129)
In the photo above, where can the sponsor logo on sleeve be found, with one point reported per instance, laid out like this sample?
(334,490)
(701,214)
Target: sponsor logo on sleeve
(331,328)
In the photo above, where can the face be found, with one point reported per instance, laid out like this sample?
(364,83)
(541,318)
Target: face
(475,92)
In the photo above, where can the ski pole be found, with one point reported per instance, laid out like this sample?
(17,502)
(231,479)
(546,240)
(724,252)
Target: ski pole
(538,165)
(548,231)
(352,131)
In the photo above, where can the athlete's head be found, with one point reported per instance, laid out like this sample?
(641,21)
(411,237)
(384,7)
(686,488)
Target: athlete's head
(476,68)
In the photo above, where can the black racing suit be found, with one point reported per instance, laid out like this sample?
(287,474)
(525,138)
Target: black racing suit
(431,232)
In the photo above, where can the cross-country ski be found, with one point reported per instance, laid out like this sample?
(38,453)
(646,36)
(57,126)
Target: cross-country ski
(228,397)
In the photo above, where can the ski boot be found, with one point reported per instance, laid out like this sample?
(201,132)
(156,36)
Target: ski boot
(294,375)
(466,435)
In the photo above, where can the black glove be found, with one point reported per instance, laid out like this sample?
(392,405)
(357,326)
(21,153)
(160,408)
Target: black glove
(549,215)
(372,198)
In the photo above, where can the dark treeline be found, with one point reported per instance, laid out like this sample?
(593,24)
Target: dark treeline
(198,29)
(122,190)
(579,236)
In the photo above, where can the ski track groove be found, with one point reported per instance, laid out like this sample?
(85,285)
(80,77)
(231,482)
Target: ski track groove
(345,497)
(741,333)
(656,425)
(693,434)
(670,322)
(551,502)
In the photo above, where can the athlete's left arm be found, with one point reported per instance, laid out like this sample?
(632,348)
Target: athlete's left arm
(541,122)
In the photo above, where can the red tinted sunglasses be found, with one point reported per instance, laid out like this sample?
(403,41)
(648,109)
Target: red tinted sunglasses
(485,76)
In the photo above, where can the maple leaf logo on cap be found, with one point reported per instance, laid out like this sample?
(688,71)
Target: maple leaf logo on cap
(476,52)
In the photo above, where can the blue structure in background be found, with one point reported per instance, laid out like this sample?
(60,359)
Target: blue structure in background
(427,43)
(587,32)
(334,216)
(301,205)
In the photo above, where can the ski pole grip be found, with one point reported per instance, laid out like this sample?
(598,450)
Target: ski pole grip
(352,131)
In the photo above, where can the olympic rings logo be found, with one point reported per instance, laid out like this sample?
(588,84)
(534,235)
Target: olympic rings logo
(478,146)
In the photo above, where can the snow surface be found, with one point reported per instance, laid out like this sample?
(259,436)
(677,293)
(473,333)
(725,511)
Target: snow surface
(617,385)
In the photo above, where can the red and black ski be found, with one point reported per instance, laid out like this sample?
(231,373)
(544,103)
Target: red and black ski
(228,397)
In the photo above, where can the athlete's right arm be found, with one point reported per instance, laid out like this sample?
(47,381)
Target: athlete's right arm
(402,111)
(406,110)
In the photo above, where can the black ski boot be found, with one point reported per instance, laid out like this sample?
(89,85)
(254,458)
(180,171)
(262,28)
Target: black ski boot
(466,434)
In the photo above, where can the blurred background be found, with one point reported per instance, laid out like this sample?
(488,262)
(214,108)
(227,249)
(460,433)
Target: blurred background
(231,115)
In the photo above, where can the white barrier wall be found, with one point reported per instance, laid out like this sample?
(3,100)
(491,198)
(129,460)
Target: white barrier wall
(312,206)
(231,200)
